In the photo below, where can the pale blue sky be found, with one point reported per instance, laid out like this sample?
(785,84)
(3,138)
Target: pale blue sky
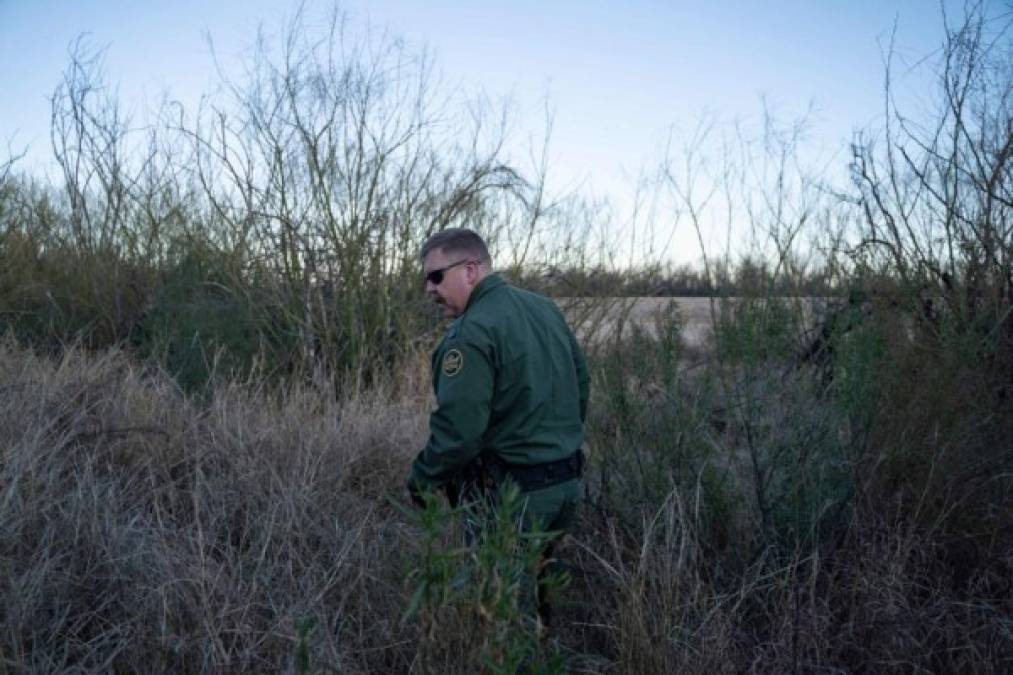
(619,75)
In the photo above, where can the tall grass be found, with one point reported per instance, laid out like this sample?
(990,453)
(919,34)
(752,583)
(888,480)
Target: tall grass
(769,516)
(143,533)
(254,530)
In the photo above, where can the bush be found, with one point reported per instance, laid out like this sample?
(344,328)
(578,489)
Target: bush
(204,322)
(476,603)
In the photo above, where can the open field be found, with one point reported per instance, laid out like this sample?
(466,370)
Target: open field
(601,318)
(697,316)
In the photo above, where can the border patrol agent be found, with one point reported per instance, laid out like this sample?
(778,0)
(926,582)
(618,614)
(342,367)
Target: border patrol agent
(511,386)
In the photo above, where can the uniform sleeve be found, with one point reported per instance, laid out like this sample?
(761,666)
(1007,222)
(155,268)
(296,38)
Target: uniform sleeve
(464,385)
(583,376)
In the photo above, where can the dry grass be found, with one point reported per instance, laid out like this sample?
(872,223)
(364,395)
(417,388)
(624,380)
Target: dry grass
(141,532)
(661,603)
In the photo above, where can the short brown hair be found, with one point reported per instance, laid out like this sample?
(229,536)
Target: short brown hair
(457,240)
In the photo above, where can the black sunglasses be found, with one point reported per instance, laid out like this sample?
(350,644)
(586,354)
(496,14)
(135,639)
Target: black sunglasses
(436,276)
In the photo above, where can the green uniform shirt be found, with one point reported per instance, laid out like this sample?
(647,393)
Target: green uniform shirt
(510,379)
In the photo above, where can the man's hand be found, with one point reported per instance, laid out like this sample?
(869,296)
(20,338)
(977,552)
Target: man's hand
(453,492)
(415,494)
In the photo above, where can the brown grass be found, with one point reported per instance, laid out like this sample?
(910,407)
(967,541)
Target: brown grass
(141,532)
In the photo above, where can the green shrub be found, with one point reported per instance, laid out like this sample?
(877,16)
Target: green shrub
(203,322)
(476,603)
(750,330)
(755,437)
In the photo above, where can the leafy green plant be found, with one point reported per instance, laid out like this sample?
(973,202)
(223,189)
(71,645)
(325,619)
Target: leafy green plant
(204,321)
(750,330)
(476,603)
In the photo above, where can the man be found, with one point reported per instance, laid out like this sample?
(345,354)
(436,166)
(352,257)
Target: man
(511,386)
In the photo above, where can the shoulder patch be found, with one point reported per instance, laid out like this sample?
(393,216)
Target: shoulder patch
(453,362)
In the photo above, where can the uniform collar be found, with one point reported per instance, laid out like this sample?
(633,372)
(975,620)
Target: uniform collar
(483,288)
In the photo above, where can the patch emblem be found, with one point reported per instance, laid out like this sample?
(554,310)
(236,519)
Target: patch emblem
(453,362)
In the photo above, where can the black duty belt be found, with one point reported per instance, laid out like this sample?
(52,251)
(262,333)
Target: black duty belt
(537,476)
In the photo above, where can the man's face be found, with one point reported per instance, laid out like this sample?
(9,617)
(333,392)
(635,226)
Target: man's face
(455,288)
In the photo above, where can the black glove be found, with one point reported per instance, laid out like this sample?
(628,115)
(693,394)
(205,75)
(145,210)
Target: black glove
(453,492)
